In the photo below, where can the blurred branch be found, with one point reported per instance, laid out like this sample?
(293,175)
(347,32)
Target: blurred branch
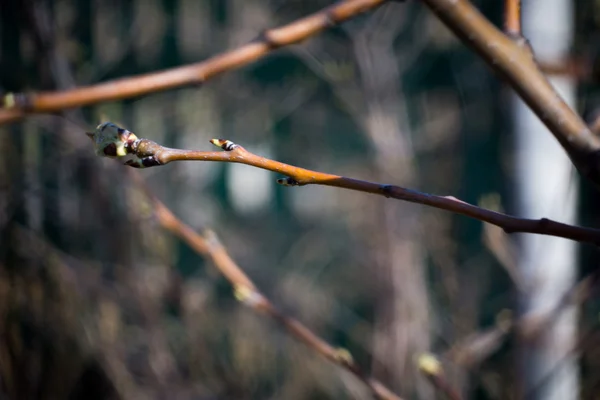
(596,124)
(17,106)
(478,347)
(112,141)
(514,60)
(512,18)
(208,245)
(430,366)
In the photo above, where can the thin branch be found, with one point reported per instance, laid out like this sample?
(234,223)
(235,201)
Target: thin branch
(512,18)
(207,244)
(17,106)
(430,366)
(112,141)
(514,60)
(596,124)
(479,346)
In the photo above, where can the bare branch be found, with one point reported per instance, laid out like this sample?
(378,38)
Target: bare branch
(208,245)
(112,141)
(430,366)
(17,106)
(479,346)
(512,18)
(514,60)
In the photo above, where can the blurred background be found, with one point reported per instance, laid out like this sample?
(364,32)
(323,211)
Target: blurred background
(98,302)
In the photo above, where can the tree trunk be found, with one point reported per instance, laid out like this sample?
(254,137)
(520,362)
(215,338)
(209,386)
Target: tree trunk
(546,188)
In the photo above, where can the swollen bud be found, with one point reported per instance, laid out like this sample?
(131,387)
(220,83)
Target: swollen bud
(111,140)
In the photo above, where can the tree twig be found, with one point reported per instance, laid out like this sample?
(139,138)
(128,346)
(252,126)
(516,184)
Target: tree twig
(479,346)
(113,141)
(430,366)
(512,18)
(208,245)
(17,106)
(514,60)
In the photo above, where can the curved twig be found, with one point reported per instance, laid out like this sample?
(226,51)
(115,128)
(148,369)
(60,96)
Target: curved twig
(512,18)
(17,106)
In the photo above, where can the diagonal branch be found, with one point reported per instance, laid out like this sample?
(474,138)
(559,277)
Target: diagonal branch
(112,141)
(514,60)
(208,245)
(17,106)
(431,367)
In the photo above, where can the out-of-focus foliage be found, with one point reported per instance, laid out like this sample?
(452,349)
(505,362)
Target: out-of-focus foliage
(96,302)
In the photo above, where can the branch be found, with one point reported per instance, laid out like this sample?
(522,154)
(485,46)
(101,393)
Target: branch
(512,18)
(17,106)
(112,141)
(514,60)
(430,366)
(208,245)
(476,348)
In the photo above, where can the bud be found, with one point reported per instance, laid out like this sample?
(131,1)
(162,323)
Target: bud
(111,140)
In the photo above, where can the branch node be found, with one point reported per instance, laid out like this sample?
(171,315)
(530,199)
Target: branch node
(288,182)
(429,364)
(145,162)
(17,100)
(343,356)
(225,144)
(386,190)
(504,320)
(266,37)
(330,20)
(248,296)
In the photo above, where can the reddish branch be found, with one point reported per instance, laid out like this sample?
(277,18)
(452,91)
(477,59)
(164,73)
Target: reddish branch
(112,141)
(209,246)
(17,106)
(514,60)
(512,17)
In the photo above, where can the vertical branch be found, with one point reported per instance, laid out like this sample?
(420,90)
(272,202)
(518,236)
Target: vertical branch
(512,18)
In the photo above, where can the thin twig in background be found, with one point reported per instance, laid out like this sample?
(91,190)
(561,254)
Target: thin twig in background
(512,18)
(18,106)
(479,346)
(514,60)
(208,245)
(431,367)
(112,141)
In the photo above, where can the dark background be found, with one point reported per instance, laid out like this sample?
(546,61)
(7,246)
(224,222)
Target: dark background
(97,302)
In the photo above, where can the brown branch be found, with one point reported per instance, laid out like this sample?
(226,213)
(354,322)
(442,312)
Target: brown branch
(595,125)
(514,60)
(208,245)
(430,366)
(17,106)
(512,18)
(112,141)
